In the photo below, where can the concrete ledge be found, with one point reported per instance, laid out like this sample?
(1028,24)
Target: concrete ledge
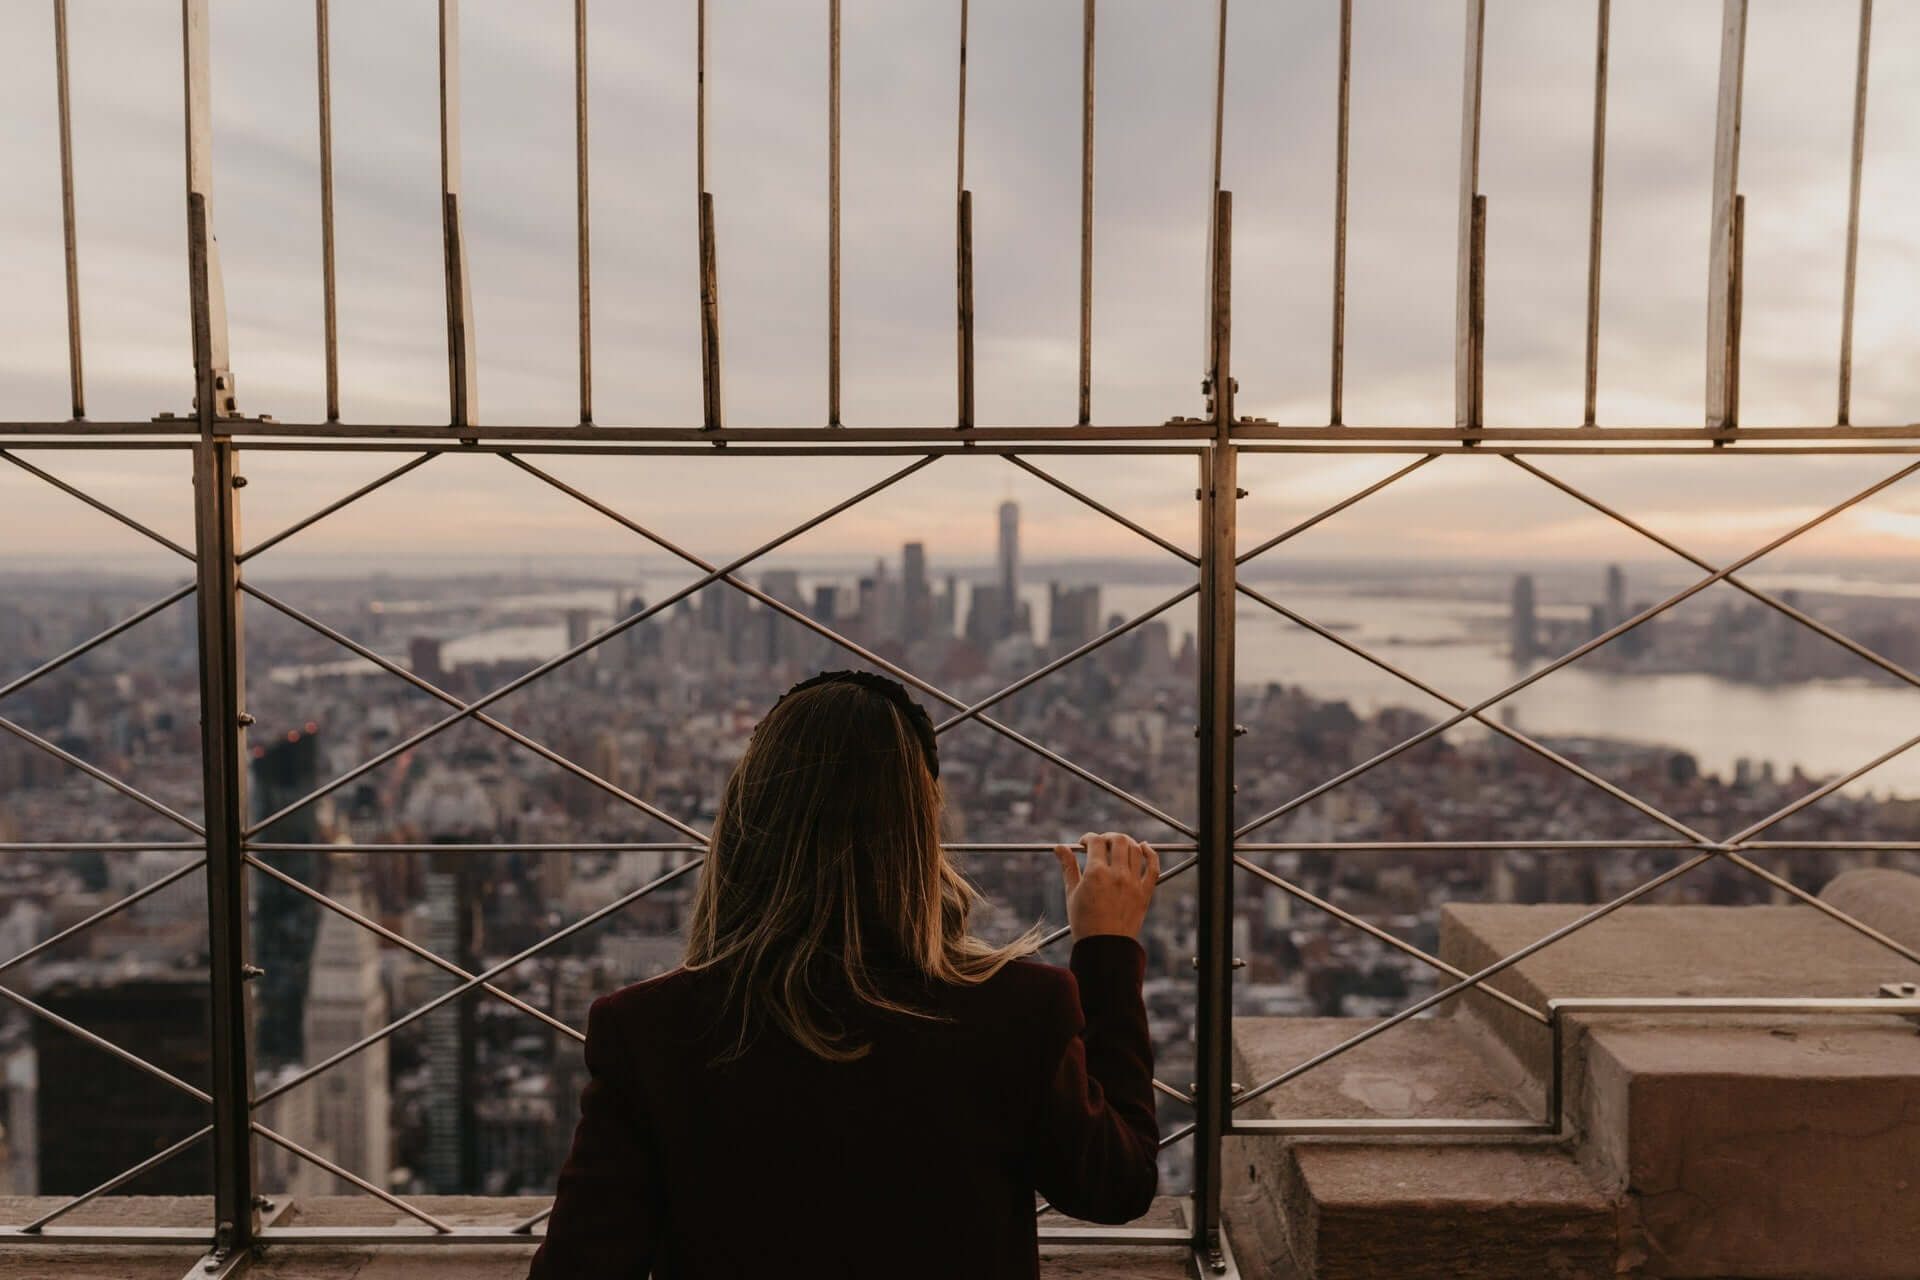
(417,1262)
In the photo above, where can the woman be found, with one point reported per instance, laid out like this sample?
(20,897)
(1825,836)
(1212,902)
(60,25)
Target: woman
(841,1081)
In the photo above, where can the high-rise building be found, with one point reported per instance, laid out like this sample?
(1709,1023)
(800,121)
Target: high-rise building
(916,595)
(285,920)
(1616,595)
(99,1116)
(825,600)
(1073,616)
(1525,644)
(346,1004)
(1009,566)
(423,654)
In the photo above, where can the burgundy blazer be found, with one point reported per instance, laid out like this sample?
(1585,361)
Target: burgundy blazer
(920,1159)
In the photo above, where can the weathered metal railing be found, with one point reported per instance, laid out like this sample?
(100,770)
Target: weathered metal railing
(217,435)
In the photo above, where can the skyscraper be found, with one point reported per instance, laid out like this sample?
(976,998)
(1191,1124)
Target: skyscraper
(1616,595)
(1009,566)
(345,1004)
(284,920)
(916,595)
(1525,643)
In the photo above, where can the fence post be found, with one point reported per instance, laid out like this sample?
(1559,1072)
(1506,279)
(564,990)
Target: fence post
(222,675)
(1213,1032)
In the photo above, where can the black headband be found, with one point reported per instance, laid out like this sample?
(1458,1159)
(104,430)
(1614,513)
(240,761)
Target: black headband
(894,692)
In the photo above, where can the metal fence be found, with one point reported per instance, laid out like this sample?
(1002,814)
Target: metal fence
(217,435)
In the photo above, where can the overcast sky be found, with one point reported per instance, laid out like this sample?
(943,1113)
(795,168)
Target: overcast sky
(767,171)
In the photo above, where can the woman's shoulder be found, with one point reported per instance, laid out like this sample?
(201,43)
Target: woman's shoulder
(650,998)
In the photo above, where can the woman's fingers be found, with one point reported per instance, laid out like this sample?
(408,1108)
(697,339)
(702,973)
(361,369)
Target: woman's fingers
(1152,856)
(1096,847)
(1069,869)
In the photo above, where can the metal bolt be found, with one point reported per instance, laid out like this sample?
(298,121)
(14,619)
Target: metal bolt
(1239,731)
(239,482)
(248,972)
(1239,493)
(245,718)
(1238,963)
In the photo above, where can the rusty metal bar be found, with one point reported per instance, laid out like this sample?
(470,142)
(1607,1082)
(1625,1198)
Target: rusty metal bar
(206,294)
(1339,349)
(1845,414)
(1086,213)
(463,389)
(1597,197)
(323,42)
(224,763)
(75,376)
(584,239)
(833,213)
(1466,321)
(1722,264)
(964,296)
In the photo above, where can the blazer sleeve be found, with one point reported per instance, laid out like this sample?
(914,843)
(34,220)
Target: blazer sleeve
(1098,1138)
(608,1209)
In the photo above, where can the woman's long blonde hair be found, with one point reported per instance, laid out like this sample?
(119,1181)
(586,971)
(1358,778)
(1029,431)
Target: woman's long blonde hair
(826,863)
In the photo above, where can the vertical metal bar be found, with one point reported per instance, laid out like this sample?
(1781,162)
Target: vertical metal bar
(965,233)
(462,386)
(963,248)
(323,40)
(1845,415)
(1597,196)
(1726,185)
(223,751)
(1477,314)
(833,213)
(1466,355)
(583,238)
(1211,357)
(74,375)
(1736,298)
(213,379)
(713,416)
(1213,1031)
(1340,216)
(1086,214)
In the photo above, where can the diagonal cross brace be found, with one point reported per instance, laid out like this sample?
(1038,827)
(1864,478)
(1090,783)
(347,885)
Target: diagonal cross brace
(590,642)
(724,574)
(479,979)
(1577,652)
(427,686)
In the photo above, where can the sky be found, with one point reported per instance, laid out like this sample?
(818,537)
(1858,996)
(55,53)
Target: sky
(768,176)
